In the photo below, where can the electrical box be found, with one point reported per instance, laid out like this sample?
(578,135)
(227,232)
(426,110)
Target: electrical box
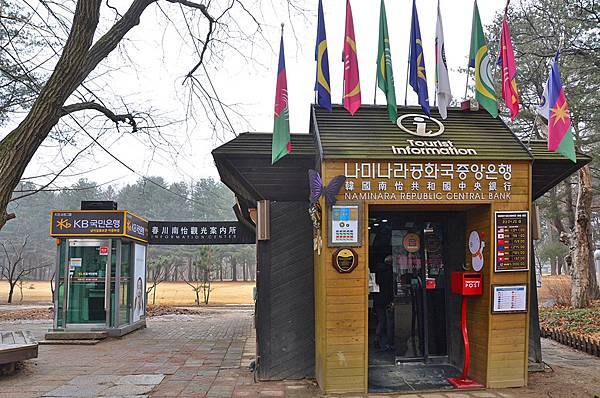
(467,283)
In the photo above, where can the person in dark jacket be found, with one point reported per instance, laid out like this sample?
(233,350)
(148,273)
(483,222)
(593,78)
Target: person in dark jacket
(384,276)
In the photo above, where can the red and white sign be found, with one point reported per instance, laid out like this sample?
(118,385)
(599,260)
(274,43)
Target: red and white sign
(104,250)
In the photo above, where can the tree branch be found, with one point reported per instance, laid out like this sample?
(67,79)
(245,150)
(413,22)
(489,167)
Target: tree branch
(127,118)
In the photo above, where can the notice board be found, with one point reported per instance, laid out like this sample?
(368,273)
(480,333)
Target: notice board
(511,236)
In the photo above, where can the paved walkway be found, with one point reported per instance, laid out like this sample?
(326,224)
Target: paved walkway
(207,355)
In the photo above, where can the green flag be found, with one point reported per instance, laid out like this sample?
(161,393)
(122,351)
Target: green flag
(479,59)
(385,75)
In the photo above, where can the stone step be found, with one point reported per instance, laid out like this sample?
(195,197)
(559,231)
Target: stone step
(76,335)
(69,342)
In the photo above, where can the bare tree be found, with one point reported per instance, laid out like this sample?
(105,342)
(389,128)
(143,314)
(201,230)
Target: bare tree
(158,269)
(86,46)
(14,269)
(201,281)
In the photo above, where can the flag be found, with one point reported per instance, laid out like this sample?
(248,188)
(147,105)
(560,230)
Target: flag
(506,59)
(385,75)
(480,60)
(560,133)
(442,81)
(322,85)
(543,109)
(351,78)
(418,76)
(281,145)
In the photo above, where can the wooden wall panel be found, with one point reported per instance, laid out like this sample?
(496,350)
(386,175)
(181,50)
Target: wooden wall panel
(285,311)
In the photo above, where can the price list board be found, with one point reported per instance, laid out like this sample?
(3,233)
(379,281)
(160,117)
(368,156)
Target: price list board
(512,241)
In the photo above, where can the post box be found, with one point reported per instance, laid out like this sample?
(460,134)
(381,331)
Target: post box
(467,283)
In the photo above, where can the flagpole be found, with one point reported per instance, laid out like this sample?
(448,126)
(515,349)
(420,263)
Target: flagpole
(406,83)
(375,92)
(467,82)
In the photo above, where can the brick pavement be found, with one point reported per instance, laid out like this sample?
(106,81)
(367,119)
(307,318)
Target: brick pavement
(204,355)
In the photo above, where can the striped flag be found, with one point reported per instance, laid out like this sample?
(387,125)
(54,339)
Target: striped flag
(560,132)
(282,144)
(351,78)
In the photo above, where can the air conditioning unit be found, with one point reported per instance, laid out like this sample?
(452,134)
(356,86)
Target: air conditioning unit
(263,228)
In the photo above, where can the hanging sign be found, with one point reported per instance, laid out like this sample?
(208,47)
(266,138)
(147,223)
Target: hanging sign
(512,241)
(344,225)
(412,242)
(103,251)
(509,298)
(199,233)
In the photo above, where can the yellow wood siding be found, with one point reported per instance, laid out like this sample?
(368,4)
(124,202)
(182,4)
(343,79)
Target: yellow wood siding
(341,306)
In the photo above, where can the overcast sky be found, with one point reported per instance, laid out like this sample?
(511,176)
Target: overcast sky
(162,60)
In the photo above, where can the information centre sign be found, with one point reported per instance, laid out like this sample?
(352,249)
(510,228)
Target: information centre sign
(199,233)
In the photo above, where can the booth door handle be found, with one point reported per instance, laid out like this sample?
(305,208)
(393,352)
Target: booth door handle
(106,288)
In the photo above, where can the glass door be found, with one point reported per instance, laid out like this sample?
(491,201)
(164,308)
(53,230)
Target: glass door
(413,245)
(88,274)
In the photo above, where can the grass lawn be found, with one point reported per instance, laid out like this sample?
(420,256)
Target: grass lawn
(167,293)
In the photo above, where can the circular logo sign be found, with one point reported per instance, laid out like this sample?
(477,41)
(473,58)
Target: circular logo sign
(412,242)
(418,125)
(345,260)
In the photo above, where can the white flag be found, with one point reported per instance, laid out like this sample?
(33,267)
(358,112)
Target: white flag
(442,81)
(544,108)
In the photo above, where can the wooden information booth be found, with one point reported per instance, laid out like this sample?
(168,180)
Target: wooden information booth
(421,199)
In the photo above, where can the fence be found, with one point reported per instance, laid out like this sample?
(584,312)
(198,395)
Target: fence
(572,340)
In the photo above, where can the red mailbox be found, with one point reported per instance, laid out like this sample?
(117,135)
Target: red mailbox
(467,283)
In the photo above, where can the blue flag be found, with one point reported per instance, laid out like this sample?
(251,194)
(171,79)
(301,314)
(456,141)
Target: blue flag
(322,80)
(417,75)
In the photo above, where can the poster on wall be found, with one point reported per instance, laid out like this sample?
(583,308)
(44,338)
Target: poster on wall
(511,230)
(509,298)
(344,225)
(139,283)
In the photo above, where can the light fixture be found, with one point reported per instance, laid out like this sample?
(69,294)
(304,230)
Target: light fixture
(384,220)
(376,224)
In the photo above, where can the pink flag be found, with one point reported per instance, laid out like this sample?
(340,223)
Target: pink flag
(351,78)
(509,70)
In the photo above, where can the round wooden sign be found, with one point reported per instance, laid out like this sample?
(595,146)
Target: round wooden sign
(345,260)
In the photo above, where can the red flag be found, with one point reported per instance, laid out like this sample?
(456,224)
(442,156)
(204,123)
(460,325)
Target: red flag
(509,70)
(351,78)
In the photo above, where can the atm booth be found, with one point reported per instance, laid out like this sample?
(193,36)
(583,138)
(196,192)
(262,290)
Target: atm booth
(423,202)
(100,279)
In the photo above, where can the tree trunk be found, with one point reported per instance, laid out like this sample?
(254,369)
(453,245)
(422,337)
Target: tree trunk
(553,264)
(77,60)
(582,258)
(571,208)
(233,268)
(11,290)
(245,270)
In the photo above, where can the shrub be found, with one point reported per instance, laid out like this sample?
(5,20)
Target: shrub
(559,289)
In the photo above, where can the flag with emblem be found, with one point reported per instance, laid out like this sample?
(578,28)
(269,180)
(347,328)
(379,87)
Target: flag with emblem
(479,59)
(282,144)
(417,74)
(506,59)
(351,78)
(385,75)
(322,85)
(560,132)
(442,80)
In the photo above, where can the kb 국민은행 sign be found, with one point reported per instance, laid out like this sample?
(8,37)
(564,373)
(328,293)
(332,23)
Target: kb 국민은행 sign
(83,223)
(199,233)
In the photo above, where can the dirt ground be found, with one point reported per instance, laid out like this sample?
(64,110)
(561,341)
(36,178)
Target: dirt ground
(167,293)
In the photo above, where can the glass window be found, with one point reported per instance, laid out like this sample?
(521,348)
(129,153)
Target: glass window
(124,281)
